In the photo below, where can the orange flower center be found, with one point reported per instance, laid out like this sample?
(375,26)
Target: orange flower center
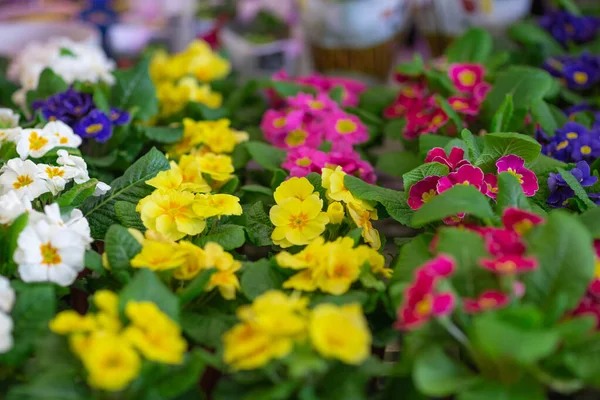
(94,128)
(486,304)
(50,255)
(507,267)
(54,172)
(279,122)
(298,221)
(22,181)
(467,78)
(296,138)
(316,105)
(562,145)
(425,306)
(523,226)
(516,175)
(36,142)
(304,162)
(580,77)
(345,127)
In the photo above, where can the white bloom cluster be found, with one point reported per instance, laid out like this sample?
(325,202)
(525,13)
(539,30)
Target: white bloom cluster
(7,300)
(72,61)
(51,248)
(9,126)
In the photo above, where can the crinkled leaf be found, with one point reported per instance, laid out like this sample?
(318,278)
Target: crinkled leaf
(120,247)
(230,237)
(128,216)
(207,327)
(77,194)
(423,171)
(497,145)
(259,277)
(135,92)
(145,286)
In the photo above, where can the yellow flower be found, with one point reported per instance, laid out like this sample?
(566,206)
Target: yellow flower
(217,136)
(333,181)
(340,332)
(192,138)
(194,261)
(107,301)
(70,321)
(335,212)
(212,205)
(362,218)
(173,97)
(247,347)
(110,361)
(297,222)
(341,267)
(154,334)
(218,166)
(172,179)
(159,256)
(170,213)
(375,259)
(189,166)
(304,258)
(224,278)
(299,188)
(105,263)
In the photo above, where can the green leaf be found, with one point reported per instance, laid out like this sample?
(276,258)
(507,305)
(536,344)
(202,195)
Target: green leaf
(533,36)
(259,277)
(393,201)
(178,379)
(490,390)
(475,46)
(230,237)
(510,193)
(77,194)
(583,360)
(473,151)
(203,112)
(207,328)
(337,94)
(423,171)
(135,92)
(196,287)
(591,220)
(412,255)
(497,145)
(8,150)
(257,224)
(569,6)
(502,117)
(131,187)
(146,286)
(10,244)
(265,155)
(49,83)
(577,188)
(398,163)
(414,68)
(375,99)
(100,100)
(128,216)
(456,200)
(258,189)
(120,247)
(436,374)
(394,128)
(231,186)
(548,116)
(93,262)
(428,142)
(288,89)
(163,134)
(566,257)
(543,165)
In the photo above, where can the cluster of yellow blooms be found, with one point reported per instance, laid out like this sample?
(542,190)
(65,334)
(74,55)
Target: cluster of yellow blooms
(275,322)
(207,137)
(176,77)
(112,353)
(181,203)
(187,260)
(331,267)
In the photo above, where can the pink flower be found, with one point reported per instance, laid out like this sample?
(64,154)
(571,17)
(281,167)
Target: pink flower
(489,300)
(304,160)
(422,191)
(350,162)
(277,122)
(454,219)
(465,175)
(515,165)
(502,242)
(520,221)
(490,182)
(313,105)
(455,160)
(589,305)
(304,136)
(440,267)
(480,91)
(508,265)
(595,285)
(437,119)
(464,105)
(345,127)
(466,76)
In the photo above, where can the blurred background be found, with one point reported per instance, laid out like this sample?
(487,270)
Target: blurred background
(359,38)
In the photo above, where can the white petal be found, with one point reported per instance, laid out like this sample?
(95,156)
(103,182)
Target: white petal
(33,272)
(62,274)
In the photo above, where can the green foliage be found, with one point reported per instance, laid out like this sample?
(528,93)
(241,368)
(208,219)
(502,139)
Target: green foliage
(134,91)
(438,375)
(548,116)
(259,277)
(475,46)
(8,245)
(510,193)
(196,287)
(49,83)
(497,145)
(207,326)
(120,247)
(423,171)
(77,194)
(398,163)
(267,156)
(574,184)
(414,68)
(503,117)
(230,237)
(163,134)
(128,216)
(257,224)
(533,36)
(146,286)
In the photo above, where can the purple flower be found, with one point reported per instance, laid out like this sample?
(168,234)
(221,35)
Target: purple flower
(595,197)
(587,148)
(582,173)
(560,192)
(566,27)
(95,125)
(579,72)
(118,116)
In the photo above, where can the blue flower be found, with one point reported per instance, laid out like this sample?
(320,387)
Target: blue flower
(118,116)
(587,148)
(560,192)
(95,125)
(595,197)
(566,27)
(582,173)
(68,106)
(578,72)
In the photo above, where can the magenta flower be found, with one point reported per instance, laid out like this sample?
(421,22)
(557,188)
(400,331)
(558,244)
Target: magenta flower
(305,136)
(455,160)
(465,175)
(313,105)
(422,192)
(351,163)
(507,265)
(347,128)
(489,300)
(466,76)
(464,105)
(515,165)
(304,160)
(490,182)
(502,242)
(520,221)
(278,122)
(454,219)
(480,91)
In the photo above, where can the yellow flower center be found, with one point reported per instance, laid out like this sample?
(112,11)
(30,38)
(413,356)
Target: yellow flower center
(316,105)
(467,78)
(94,128)
(279,122)
(425,306)
(516,175)
(522,227)
(36,142)
(507,267)
(459,105)
(399,108)
(408,92)
(342,271)
(562,145)
(112,361)
(569,28)
(437,120)
(586,150)
(22,181)
(304,162)
(54,172)
(492,189)
(345,127)
(427,196)
(486,304)
(50,254)
(572,135)
(298,221)
(296,138)
(580,77)
(597,269)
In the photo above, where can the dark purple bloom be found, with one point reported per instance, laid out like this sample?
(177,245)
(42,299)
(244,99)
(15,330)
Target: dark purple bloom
(578,72)
(582,173)
(118,116)
(577,108)
(571,131)
(560,192)
(595,197)
(95,125)
(587,147)
(566,27)
(68,106)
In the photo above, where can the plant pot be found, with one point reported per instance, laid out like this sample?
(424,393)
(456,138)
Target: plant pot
(440,21)
(356,36)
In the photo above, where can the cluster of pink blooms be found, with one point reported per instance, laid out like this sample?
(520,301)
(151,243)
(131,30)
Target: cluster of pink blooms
(590,304)
(507,251)
(304,123)
(417,103)
(463,173)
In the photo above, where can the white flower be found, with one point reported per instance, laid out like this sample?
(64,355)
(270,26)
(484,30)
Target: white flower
(22,177)
(35,143)
(7,295)
(49,252)
(76,221)
(8,118)
(10,135)
(6,327)
(65,135)
(57,177)
(64,158)
(101,189)
(11,206)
